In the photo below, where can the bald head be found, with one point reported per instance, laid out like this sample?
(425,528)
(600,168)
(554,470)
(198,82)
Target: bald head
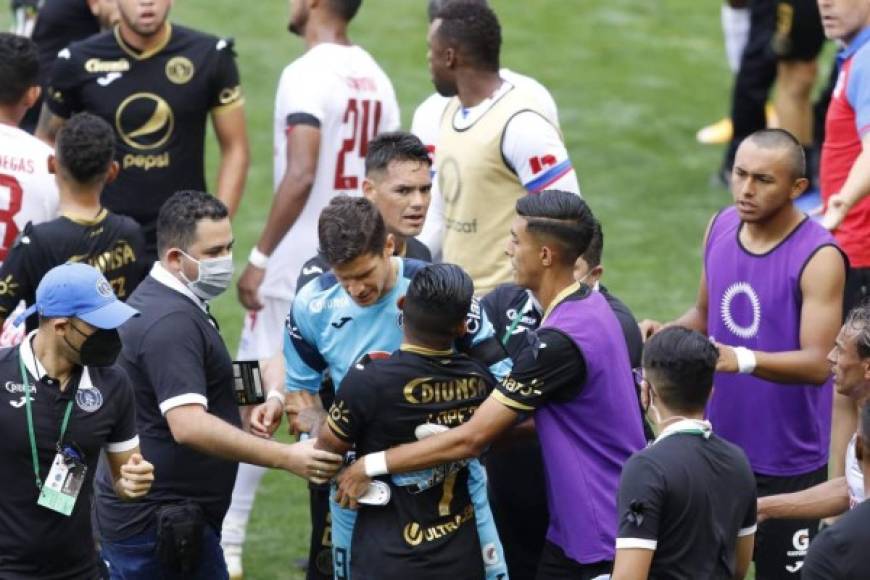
(782,140)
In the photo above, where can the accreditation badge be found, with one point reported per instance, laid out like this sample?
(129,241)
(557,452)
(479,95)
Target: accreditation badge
(64,482)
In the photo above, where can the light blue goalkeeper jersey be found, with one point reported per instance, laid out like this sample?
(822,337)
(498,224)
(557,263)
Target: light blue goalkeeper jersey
(326,329)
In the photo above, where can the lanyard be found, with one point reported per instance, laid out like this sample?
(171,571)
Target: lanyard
(510,331)
(30,432)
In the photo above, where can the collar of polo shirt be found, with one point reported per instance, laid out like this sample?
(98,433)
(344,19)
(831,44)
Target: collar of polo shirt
(165,277)
(703,428)
(25,351)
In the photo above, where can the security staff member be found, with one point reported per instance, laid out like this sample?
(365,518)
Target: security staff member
(85,232)
(156,83)
(63,403)
(687,502)
(183,379)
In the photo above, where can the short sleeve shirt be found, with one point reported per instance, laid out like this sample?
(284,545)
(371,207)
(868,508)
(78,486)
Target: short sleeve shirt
(688,498)
(840,551)
(36,542)
(174,356)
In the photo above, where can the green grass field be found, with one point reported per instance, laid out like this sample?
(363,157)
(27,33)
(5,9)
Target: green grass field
(633,79)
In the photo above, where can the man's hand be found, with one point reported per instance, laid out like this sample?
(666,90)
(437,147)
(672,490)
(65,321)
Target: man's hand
(307,420)
(249,286)
(838,207)
(727,362)
(315,465)
(648,328)
(352,483)
(266,418)
(295,403)
(137,475)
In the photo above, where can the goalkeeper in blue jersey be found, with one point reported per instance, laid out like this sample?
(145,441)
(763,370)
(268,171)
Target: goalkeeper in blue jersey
(350,312)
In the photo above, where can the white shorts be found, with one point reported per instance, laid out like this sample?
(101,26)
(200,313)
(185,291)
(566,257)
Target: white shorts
(263,330)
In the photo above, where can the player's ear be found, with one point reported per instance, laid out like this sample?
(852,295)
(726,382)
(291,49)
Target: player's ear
(401,303)
(390,245)
(52,164)
(112,173)
(461,329)
(368,189)
(799,187)
(32,95)
(547,256)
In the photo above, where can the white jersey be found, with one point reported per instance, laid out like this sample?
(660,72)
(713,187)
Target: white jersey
(854,475)
(28,192)
(532,146)
(342,89)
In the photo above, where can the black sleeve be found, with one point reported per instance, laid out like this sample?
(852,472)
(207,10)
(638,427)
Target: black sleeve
(63,94)
(356,402)
(641,497)
(824,558)
(226,88)
(142,266)
(551,369)
(123,435)
(16,281)
(630,329)
(749,523)
(311,270)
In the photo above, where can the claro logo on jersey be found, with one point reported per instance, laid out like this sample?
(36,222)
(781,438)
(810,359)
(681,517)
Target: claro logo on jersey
(145,122)
(415,534)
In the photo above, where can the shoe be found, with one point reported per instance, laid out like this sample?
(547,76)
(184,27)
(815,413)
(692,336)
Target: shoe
(718,133)
(233,558)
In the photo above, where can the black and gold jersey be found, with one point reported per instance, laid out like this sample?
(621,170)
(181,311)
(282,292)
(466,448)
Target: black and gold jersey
(428,529)
(111,243)
(157,101)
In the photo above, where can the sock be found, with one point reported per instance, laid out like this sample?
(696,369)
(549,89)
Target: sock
(735,27)
(236,521)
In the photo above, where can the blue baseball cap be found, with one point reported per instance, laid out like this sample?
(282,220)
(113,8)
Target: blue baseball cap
(80,291)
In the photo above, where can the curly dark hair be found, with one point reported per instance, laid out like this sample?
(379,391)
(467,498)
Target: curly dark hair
(395,146)
(350,227)
(680,364)
(19,67)
(473,29)
(179,215)
(85,147)
(437,301)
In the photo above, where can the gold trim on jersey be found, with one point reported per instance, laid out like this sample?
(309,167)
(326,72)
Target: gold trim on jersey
(221,109)
(83,221)
(145,54)
(425,351)
(510,403)
(559,298)
(335,428)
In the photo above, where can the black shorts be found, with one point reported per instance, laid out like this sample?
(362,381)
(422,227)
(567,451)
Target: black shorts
(781,545)
(555,565)
(857,288)
(799,34)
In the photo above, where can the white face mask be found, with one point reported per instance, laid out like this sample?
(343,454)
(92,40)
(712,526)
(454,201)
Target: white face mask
(215,276)
(596,287)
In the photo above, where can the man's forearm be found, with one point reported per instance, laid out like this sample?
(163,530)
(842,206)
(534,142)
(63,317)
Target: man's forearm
(232,174)
(857,185)
(288,204)
(693,318)
(214,436)
(821,501)
(453,445)
(797,366)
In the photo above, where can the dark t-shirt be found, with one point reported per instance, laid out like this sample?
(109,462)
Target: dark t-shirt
(157,103)
(423,532)
(111,243)
(59,23)
(688,498)
(36,542)
(174,355)
(840,552)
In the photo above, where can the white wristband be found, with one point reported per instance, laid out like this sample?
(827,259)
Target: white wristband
(276,395)
(745,360)
(376,464)
(258,259)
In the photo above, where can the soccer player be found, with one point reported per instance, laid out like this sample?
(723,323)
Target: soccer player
(495,143)
(85,231)
(850,359)
(398,182)
(25,181)
(687,502)
(425,530)
(426,123)
(350,312)
(575,378)
(156,84)
(517,490)
(771,295)
(840,551)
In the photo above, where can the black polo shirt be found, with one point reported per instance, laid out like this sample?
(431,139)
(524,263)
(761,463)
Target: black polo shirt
(840,552)
(174,356)
(689,498)
(36,542)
